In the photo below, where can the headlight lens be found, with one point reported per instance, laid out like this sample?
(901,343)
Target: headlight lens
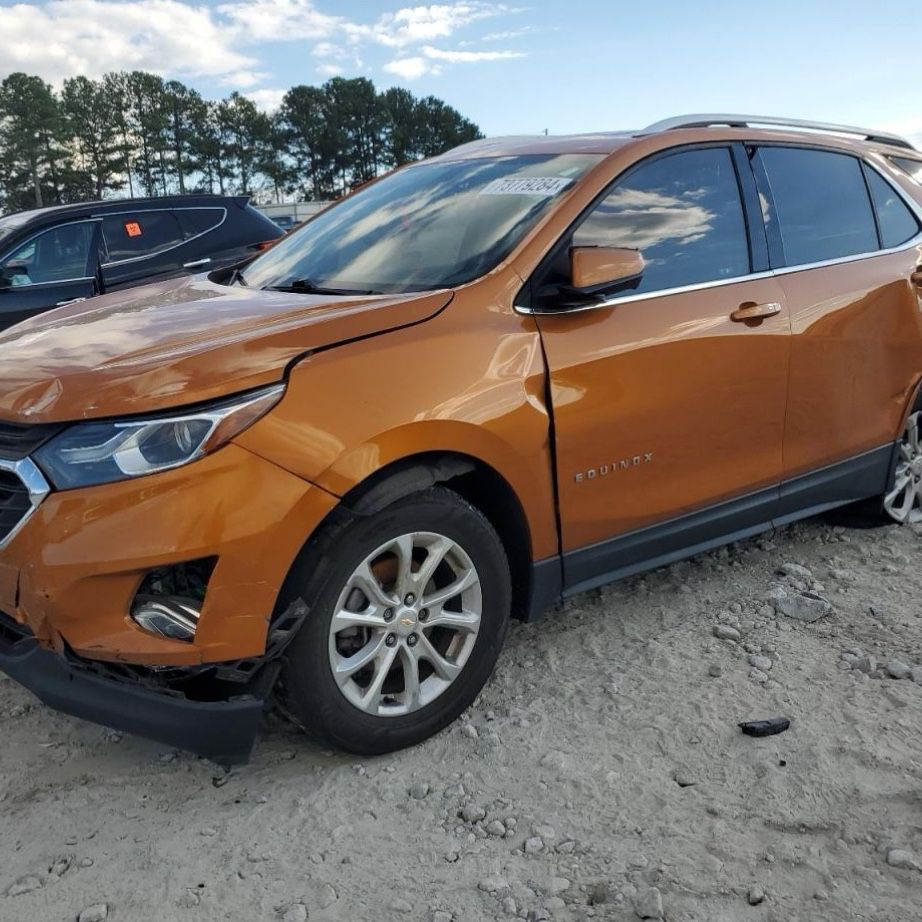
(103,452)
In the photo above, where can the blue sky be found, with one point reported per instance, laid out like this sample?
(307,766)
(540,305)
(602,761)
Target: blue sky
(579,65)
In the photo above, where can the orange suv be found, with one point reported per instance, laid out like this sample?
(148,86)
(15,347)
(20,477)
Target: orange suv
(483,382)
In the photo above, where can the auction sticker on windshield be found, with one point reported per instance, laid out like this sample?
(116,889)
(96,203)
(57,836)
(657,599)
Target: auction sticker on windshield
(526,185)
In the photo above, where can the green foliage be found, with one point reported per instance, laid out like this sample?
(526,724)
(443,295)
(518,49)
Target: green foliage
(136,134)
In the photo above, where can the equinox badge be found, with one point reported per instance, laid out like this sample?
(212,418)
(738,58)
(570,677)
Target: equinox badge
(623,464)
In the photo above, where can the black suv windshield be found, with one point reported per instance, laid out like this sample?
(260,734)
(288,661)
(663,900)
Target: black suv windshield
(435,225)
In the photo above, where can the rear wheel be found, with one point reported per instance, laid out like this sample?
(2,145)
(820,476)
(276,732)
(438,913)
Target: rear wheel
(903,499)
(406,619)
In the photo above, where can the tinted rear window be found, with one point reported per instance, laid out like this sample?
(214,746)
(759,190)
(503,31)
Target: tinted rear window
(195,221)
(897,223)
(822,204)
(141,233)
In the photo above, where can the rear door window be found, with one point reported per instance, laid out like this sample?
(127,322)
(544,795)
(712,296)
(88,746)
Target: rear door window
(683,212)
(140,234)
(897,223)
(195,221)
(821,203)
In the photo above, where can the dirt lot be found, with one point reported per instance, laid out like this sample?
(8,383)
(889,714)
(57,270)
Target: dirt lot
(600,773)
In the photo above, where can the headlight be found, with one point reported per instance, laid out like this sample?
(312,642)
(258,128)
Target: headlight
(93,453)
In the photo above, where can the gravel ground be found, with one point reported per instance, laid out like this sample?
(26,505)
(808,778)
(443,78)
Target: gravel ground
(600,775)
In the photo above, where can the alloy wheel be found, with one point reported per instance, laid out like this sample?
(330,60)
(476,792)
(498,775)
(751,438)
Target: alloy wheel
(405,624)
(903,502)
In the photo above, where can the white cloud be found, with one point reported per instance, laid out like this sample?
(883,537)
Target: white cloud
(65,38)
(411,68)
(469,57)
(509,35)
(187,39)
(241,79)
(281,20)
(327,50)
(415,24)
(267,99)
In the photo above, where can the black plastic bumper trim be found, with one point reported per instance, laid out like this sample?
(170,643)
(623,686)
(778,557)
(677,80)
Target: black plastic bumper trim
(223,731)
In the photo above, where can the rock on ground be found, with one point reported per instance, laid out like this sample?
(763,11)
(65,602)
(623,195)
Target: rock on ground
(649,904)
(802,606)
(97,913)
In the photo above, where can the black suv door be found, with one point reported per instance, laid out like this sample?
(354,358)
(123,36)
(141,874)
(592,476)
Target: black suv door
(141,246)
(48,269)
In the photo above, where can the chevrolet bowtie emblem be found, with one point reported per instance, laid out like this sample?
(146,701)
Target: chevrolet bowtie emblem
(407,622)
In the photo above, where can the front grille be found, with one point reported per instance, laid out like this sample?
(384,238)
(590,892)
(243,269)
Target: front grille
(15,502)
(17,441)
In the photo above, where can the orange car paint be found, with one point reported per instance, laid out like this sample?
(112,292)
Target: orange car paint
(695,403)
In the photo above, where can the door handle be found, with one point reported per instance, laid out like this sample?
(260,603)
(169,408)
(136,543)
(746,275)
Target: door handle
(758,312)
(196,263)
(69,301)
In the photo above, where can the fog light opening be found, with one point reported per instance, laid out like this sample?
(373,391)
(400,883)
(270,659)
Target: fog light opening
(169,600)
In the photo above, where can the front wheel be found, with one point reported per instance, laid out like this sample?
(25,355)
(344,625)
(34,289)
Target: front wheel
(408,610)
(903,499)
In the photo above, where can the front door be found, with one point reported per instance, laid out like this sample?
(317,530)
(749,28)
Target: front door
(668,402)
(53,268)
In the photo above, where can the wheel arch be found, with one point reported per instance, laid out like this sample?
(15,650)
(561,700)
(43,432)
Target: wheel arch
(913,404)
(474,480)
(471,478)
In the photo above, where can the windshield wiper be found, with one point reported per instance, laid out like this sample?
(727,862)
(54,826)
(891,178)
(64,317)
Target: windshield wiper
(307,287)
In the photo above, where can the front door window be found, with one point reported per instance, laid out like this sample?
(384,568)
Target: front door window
(57,255)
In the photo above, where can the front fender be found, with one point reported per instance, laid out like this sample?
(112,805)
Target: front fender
(468,381)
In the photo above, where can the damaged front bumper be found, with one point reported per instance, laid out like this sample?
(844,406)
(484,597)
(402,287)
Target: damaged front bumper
(221,730)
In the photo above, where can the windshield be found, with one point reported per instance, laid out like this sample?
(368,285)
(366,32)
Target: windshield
(435,225)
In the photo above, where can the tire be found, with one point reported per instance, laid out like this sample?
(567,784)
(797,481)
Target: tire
(902,501)
(363,573)
(890,507)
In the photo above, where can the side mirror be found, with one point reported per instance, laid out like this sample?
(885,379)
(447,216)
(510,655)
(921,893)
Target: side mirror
(594,269)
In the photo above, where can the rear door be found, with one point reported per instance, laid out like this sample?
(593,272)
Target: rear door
(202,230)
(142,246)
(668,412)
(49,269)
(845,243)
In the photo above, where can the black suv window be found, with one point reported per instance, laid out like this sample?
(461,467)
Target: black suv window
(195,221)
(683,212)
(57,255)
(822,204)
(140,233)
(897,223)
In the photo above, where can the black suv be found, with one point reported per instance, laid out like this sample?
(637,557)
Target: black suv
(53,256)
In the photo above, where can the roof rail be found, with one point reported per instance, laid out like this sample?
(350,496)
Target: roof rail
(749,121)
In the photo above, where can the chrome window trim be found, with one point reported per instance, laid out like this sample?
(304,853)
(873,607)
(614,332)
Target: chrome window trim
(916,241)
(182,243)
(38,233)
(34,481)
(645,296)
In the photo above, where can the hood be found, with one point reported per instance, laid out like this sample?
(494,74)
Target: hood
(177,343)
